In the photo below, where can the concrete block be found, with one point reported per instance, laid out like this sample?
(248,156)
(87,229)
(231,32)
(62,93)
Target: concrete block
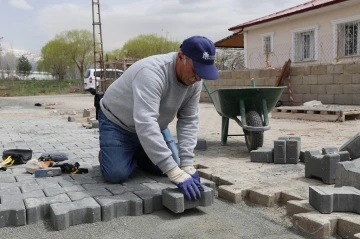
(298,206)
(39,208)
(347,174)
(280,151)
(152,200)
(8,179)
(29,188)
(329,199)
(208,183)
(352,146)
(127,204)
(330,150)
(315,226)
(116,189)
(308,154)
(13,190)
(201,144)
(133,186)
(76,196)
(12,214)
(81,179)
(71,119)
(57,189)
(174,200)
(86,113)
(11,197)
(292,151)
(262,155)
(323,167)
(95,124)
(64,215)
(158,187)
(344,156)
(348,226)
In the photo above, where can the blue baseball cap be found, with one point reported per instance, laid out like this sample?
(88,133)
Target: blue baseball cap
(202,52)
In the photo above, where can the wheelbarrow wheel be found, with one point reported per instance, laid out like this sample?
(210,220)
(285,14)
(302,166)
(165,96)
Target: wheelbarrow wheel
(253,139)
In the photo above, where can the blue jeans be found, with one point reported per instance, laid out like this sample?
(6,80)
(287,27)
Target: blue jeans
(121,151)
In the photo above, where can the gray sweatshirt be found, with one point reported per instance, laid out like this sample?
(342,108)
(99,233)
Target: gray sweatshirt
(146,98)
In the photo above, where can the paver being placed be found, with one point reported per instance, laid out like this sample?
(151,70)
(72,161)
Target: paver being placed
(293,150)
(152,200)
(64,215)
(174,200)
(348,174)
(329,199)
(323,167)
(352,146)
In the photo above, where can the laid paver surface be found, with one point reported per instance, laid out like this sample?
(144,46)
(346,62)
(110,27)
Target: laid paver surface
(228,166)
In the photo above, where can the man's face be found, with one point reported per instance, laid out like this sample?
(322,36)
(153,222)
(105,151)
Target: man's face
(188,74)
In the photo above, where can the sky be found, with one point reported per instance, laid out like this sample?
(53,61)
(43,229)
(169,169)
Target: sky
(30,24)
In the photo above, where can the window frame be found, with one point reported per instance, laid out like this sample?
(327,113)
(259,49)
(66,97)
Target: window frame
(263,36)
(336,23)
(294,33)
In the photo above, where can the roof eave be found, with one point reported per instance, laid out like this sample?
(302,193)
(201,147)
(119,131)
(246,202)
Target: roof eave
(242,26)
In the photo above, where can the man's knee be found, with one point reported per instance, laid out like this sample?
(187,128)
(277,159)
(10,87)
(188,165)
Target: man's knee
(115,175)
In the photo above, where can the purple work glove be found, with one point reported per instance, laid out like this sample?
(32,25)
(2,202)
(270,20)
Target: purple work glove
(189,186)
(194,174)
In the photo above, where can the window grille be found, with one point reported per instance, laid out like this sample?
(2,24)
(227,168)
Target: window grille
(349,38)
(304,46)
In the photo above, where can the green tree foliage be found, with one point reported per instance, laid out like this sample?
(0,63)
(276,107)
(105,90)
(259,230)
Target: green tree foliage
(54,58)
(143,46)
(79,48)
(23,66)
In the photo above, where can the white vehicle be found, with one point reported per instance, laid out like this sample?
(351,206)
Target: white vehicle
(89,78)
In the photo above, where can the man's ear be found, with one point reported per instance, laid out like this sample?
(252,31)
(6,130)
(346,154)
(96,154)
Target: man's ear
(181,55)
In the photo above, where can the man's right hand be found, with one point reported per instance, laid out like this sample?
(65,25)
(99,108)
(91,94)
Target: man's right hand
(186,183)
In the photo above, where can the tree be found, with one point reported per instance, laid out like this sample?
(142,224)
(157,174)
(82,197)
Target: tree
(79,48)
(143,46)
(230,59)
(54,58)
(23,66)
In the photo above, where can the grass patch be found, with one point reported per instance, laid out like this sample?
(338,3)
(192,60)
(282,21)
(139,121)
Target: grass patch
(39,87)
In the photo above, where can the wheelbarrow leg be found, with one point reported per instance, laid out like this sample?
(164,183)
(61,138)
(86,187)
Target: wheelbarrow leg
(224,129)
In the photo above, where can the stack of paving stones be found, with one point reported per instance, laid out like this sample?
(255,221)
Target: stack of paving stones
(341,169)
(72,199)
(286,151)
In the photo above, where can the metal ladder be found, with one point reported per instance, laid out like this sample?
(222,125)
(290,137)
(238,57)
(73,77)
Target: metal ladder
(98,46)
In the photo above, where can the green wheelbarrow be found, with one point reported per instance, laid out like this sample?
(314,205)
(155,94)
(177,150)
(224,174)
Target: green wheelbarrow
(249,107)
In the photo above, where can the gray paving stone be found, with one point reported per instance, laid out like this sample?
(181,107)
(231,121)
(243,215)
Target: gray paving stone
(136,178)
(13,190)
(329,150)
(12,214)
(280,151)
(39,208)
(158,187)
(152,200)
(76,196)
(173,199)
(127,204)
(297,138)
(262,155)
(48,180)
(57,189)
(117,189)
(201,144)
(352,146)
(26,177)
(11,197)
(64,215)
(323,167)
(18,184)
(9,179)
(292,151)
(309,153)
(329,199)
(29,188)
(344,156)
(133,186)
(348,174)
(208,183)
(82,179)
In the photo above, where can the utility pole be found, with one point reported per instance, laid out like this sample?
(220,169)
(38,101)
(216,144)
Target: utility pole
(98,55)
(98,46)
(2,73)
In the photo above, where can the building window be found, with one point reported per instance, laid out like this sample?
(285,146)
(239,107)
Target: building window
(304,44)
(268,42)
(349,38)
